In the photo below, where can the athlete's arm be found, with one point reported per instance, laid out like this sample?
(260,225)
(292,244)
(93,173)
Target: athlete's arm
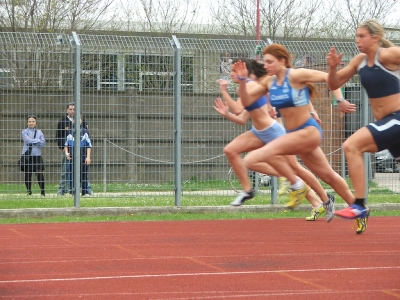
(223,109)
(336,79)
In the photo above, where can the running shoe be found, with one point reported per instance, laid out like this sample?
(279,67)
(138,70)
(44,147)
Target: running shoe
(283,186)
(316,212)
(242,197)
(361,223)
(297,196)
(352,212)
(329,207)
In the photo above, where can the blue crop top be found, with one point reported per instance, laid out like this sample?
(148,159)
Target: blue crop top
(282,96)
(377,80)
(257,104)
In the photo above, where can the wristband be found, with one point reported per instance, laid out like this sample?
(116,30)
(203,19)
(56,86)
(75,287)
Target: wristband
(313,113)
(240,77)
(340,100)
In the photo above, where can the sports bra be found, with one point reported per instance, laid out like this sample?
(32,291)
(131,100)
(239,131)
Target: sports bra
(282,96)
(377,80)
(257,104)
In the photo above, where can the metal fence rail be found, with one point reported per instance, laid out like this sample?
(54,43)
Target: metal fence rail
(32,82)
(148,103)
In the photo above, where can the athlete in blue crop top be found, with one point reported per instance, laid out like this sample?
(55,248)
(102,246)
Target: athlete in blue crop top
(284,95)
(290,91)
(258,103)
(378,65)
(263,130)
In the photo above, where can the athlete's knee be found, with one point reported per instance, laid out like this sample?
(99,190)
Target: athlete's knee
(229,151)
(328,177)
(349,147)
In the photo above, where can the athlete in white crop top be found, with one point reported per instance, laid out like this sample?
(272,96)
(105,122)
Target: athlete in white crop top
(304,134)
(380,56)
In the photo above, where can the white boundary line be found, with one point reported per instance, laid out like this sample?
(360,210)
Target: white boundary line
(197,274)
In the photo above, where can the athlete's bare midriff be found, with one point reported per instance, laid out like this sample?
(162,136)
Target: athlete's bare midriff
(382,107)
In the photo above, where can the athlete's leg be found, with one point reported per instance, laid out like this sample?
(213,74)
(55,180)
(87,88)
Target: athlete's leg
(245,142)
(317,162)
(354,147)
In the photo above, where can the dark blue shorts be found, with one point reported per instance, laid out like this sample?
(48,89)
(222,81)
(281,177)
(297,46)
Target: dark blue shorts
(386,134)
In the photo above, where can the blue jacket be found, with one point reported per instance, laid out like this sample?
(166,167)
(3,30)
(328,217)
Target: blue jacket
(36,143)
(84,143)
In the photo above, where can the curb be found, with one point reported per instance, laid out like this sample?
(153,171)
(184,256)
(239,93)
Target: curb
(121,211)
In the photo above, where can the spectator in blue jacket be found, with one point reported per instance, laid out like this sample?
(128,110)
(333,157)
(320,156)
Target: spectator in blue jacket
(33,139)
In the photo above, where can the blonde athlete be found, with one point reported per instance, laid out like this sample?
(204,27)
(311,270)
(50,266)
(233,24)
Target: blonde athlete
(378,66)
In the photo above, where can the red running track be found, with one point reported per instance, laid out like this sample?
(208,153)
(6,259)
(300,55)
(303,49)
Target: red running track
(228,259)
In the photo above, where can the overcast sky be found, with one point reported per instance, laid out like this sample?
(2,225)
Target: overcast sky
(204,14)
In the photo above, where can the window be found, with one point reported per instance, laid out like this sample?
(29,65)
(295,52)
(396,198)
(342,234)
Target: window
(130,71)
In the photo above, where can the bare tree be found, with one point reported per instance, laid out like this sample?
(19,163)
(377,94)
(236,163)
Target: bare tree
(283,18)
(52,15)
(166,16)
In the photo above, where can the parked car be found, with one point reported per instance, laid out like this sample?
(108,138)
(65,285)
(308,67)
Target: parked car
(385,163)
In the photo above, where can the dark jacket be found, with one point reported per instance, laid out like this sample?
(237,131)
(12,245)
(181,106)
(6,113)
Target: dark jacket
(63,126)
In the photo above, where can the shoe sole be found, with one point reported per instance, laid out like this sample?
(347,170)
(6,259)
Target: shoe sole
(297,203)
(362,230)
(242,201)
(366,221)
(363,215)
(315,218)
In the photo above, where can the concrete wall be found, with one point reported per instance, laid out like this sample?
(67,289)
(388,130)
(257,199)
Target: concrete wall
(139,126)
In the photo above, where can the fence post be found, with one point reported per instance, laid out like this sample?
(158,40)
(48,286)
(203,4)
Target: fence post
(274,180)
(104,165)
(177,119)
(77,100)
(365,121)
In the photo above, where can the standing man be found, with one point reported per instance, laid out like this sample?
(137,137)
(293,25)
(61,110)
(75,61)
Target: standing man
(225,67)
(65,124)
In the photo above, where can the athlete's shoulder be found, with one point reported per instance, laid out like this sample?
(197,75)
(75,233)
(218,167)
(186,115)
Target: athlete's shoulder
(390,55)
(356,60)
(267,80)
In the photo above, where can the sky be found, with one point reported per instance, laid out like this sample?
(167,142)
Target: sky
(203,8)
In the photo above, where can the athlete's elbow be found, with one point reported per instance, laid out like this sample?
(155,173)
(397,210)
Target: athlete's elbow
(240,122)
(333,85)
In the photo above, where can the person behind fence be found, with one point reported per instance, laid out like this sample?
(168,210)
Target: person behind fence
(225,66)
(85,152)
(64,124)
(34,140)
(291,91)
(378,65)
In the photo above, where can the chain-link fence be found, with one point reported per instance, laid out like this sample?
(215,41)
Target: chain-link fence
(32,82)
(147,103)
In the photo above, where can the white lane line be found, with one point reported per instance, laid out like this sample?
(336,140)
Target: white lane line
(198,274)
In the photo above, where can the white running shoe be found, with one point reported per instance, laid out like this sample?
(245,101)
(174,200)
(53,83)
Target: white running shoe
(242,197)
(330,207)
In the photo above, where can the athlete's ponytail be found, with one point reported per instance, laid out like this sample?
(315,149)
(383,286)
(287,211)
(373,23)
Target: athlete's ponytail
(376,29)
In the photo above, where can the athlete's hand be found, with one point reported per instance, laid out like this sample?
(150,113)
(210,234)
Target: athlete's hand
(272,111)
(316,117)
(223,85)
(346,107)
(240,69)
(333,58)
(221,107)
